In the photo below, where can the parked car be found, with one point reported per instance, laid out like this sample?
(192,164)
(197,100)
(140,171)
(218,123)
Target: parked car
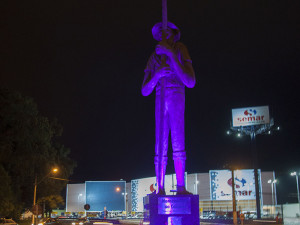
(47,221)
(4,221)
(81,221)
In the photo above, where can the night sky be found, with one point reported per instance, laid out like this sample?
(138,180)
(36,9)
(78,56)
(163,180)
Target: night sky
(83,63)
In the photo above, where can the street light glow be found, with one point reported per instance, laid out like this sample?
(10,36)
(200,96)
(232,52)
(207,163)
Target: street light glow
(55,170)
(293,174)
(228,132)
(118,189)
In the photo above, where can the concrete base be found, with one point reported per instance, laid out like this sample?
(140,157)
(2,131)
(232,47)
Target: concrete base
(172,209)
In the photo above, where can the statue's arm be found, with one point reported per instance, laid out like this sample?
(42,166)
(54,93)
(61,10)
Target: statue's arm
(149,83)
(184,70)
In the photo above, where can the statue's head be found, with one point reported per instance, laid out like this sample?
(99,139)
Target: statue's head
(157,30)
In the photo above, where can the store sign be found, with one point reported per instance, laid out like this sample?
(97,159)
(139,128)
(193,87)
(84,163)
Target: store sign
(250,116)
(140,188)
(221,184)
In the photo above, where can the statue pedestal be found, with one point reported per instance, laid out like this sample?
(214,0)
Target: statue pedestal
(172,209)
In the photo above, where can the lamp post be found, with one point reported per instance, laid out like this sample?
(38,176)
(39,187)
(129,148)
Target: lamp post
(272,182)
(196,185)
(297,182)
(79,195)
(54,170)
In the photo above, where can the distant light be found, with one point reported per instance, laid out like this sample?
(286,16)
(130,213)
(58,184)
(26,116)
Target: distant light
(269,181)
(278,128)
(228,132)
(80,194)
(55,170)
(275,181)
(197,182)
(269,132)
(293,174)
(239,135)
(118,189)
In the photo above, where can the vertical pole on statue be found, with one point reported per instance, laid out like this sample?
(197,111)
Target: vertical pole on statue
(162,97)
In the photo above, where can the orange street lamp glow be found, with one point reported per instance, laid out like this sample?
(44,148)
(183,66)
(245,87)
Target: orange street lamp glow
(55,170)
(118,189)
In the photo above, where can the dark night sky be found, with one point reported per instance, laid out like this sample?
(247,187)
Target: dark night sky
(83,62)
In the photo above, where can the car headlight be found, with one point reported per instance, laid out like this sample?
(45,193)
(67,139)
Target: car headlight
(73,223)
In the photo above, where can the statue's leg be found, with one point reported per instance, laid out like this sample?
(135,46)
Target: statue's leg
(176,115)
(161,147)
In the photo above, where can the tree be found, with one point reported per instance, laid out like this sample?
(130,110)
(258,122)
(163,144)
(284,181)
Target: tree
(51,202)
(29,147)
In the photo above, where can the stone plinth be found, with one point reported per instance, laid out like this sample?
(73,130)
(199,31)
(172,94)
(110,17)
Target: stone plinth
(172,209)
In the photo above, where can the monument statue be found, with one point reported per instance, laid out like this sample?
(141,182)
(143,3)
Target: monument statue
(169,70)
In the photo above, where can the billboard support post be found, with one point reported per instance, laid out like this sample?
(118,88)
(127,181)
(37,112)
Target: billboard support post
(253,121)
(233,199)
(255,166)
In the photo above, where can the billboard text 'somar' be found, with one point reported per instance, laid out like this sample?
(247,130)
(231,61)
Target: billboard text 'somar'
(250,116)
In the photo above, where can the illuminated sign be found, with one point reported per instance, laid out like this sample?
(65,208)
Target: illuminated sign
(221,184)
(174,205)
(250,116)
(140,188)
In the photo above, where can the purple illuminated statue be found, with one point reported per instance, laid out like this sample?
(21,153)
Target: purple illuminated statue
(170,79)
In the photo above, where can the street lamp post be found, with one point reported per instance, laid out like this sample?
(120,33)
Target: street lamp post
(272,182)
(196,184)
(297,182)
(34,192)
(79,195)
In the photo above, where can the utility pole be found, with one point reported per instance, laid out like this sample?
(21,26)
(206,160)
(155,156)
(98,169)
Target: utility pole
(34,199)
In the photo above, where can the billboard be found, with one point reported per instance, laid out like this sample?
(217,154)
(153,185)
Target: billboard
(250,116)
(109,194)
(221,184)
(75,198)
(141,187)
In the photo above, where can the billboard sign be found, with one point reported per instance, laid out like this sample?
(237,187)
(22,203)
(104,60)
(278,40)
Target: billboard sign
(221,184)
(250,116)
(109,194)
(140,188)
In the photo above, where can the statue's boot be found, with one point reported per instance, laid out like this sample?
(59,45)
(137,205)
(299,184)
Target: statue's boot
(179,158)
(160,174)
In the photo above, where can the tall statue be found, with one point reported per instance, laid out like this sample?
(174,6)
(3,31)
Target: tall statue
(170,79)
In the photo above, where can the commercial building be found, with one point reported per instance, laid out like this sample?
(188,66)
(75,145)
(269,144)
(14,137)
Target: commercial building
(214,190)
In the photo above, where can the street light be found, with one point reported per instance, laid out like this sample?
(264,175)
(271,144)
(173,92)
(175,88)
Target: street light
(295,174)
(54,170)
(272,182)
(79,195)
